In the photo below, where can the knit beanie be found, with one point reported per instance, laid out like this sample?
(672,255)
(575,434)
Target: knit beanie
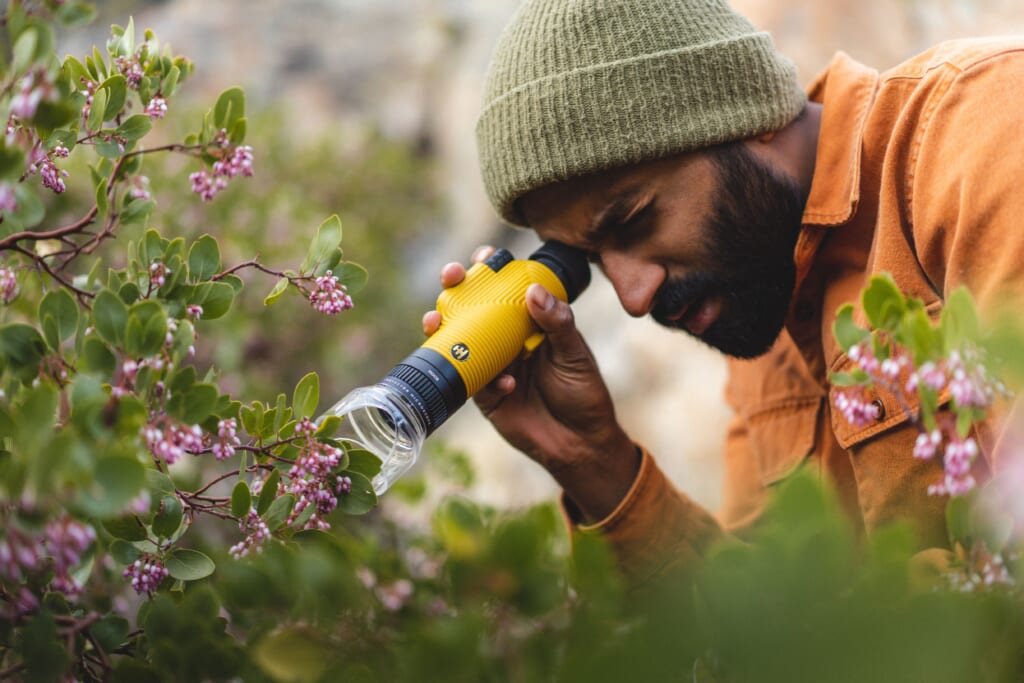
(579,86)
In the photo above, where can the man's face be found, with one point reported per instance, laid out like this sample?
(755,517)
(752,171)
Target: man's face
(702,242)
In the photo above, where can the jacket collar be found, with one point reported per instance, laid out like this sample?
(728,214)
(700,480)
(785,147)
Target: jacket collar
(846,90)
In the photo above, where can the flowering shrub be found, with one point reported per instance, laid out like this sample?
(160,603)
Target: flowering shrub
(104,416)
(940,372)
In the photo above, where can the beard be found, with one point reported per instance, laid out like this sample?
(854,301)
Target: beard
(750,238)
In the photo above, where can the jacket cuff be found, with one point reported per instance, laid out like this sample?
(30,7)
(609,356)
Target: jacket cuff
(654,530)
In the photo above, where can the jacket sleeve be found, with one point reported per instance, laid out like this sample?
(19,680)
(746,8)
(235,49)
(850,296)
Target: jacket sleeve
(655,531)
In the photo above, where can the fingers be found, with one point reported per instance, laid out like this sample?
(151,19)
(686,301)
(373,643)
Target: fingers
(482,253)
(431,321)
(452,274)
(490,397)
(552,316)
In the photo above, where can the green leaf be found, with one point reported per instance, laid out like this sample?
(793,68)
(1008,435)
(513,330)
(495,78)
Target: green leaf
(352,275)
(124,552)
(268,493)
(110,632)
(146,331)
(276,293)
(96,111)
(101,197)
(12,161)
(364,462)
(841,379)
(137,211)
(24,50)
(241,500)
(360,499)
(97,357)
(61,306)
(229,108)
(215,298)
(883,302)
(76,71)
(959,320)
(200,402)
(252,418)
(21,348)
(189,565)
(277,513)
(110,316)
(964,420)
(159,484)
(236,133)
(325,245)
(117,89)
(168,518)
(958,515)
(306,396)
(204,258)
(170,82)
(135,127)
(328,425)
(127,528)
(120,479)
(76,13)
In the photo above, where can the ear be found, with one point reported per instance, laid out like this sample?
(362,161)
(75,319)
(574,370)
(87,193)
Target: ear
(767,137)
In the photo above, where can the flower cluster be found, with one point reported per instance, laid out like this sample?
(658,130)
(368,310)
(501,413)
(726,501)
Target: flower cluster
(857,411)
(227,439)
(330,296)
(156,108)
(36,87)
(961,374)
(146,574)
(168,440)
(311,478)
(157,275)
(131,69)
(8,285)
(234,161)
(42,163)
(256,534)
(64,541)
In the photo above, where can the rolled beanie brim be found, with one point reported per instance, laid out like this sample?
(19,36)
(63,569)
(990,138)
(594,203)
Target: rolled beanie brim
(652,106)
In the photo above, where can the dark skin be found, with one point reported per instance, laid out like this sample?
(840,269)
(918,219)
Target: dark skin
(641,224)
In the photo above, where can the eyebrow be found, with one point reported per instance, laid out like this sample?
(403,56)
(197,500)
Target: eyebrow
(608,220)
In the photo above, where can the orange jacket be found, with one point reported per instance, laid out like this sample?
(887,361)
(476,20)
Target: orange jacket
(916,175)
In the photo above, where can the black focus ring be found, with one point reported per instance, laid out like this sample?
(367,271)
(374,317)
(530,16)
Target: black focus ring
(430,403)
(430,384)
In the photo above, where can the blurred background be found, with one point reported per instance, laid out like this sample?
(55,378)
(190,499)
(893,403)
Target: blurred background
(366,108)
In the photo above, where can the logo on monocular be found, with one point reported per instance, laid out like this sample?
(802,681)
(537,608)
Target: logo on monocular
(460,351)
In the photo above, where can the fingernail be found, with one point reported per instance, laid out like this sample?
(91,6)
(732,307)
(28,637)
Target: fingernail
(541,297)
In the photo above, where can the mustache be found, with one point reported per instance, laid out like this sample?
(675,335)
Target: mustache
(679,292)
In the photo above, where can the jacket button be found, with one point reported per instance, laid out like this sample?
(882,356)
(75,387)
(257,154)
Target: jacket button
(879,409)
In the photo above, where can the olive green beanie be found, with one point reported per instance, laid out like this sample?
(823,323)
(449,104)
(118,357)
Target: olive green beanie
(578,86)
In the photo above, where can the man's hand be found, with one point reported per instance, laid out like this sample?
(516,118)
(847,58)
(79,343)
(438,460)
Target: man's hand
(554,406)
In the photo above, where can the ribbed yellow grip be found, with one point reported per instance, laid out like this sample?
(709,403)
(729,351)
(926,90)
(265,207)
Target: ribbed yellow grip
(485,325)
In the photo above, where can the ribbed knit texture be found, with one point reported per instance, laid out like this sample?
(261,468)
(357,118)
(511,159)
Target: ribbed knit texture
(579,86)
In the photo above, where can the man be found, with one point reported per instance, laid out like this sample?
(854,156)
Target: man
(671,141)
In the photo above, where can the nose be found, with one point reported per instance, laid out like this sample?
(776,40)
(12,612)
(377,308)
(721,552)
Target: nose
(636,281)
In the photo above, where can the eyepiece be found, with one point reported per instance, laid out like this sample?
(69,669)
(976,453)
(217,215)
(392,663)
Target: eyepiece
(568,263)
